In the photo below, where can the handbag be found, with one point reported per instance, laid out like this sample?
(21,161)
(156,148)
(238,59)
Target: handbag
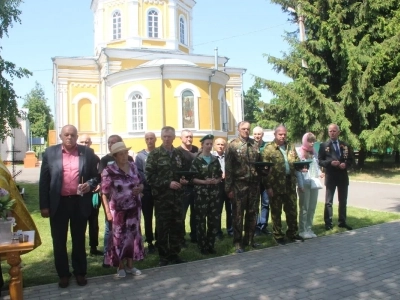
(316,184)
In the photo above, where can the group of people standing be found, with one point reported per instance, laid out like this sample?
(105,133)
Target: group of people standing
(171,180)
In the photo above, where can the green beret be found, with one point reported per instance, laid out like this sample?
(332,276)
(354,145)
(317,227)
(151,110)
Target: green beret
(207,137)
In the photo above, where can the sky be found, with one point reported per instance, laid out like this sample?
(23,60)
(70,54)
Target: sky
(241,30)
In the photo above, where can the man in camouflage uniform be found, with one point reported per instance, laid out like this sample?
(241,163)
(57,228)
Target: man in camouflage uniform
(242,184)
(281,185)
(206,205)
(167,189)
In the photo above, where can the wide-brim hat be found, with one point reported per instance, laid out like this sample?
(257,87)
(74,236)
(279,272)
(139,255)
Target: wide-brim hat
(118,147)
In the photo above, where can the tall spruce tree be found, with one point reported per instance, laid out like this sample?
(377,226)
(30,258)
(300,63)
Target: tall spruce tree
(353,75)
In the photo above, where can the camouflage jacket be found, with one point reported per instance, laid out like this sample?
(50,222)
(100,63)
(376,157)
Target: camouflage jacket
(160,170)
(212,170)
(238,158)
(276,178)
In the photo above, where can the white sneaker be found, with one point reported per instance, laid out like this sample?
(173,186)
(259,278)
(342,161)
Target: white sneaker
(121,273)
(306,235)
(302,234)
(312,234)
(134,272)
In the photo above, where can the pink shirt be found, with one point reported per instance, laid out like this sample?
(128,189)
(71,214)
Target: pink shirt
(70,169)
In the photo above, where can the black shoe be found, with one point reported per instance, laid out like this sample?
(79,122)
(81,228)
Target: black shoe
(151,248)
(178,260)
(280,241)
(296,239)
(265,230)
(328,227)
(94,251)
(212,251)
(255,245)
(64,282)
(204,251)
(163,263)
(344,225)
(239,250)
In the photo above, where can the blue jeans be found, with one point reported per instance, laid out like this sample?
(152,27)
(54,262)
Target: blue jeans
(262,220)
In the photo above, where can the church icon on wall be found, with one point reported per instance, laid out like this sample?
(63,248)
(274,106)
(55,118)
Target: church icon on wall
(188,110)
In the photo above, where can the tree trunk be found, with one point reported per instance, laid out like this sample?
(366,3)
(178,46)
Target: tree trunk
(397,157)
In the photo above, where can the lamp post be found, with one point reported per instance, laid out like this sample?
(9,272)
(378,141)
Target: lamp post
(302,29)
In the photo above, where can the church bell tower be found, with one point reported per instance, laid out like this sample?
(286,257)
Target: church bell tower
(143,24)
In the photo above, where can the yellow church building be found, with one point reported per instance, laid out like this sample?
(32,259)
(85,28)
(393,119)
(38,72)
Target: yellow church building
(144,75)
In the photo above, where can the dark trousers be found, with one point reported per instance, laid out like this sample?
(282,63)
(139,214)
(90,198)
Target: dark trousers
(93,224)
(1,279)
(169,227)
(68,213)
(147,209)
(223,197)
(188,200)
(342,197)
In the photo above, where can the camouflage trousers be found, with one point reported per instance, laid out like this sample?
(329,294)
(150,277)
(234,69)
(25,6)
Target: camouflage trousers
(207,220)
(289,203)
(245,204)
(168,213)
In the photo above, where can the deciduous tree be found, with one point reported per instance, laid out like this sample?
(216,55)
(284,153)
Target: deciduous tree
(9,112)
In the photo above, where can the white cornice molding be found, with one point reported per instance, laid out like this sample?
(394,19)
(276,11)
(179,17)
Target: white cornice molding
(84,84)
(114,3)
(154,2)
(169,72)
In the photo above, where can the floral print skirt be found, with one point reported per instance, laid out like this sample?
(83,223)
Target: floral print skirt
(125,239)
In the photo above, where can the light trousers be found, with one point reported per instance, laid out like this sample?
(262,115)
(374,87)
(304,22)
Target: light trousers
(307,204)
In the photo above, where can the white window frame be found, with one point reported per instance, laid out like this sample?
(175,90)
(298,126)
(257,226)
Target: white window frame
(144,93)
(159,23)
(116,36)
(196,95)
(182,27)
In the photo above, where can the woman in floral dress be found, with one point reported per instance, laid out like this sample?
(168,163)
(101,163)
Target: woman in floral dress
(121,187)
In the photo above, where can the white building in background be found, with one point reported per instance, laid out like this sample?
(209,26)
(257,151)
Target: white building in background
(19,142)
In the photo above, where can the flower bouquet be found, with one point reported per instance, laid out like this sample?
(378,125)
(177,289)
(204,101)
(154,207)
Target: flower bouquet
(6,203)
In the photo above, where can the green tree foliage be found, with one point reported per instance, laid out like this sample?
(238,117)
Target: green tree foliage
(9,14)
(251,104)
(39,115)
(353,75)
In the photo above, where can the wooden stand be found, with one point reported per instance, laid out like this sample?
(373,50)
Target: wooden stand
(13,251)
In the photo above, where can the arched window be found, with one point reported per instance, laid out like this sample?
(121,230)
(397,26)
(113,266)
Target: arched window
(152,19)
(137,112)
(116,25)
(182,37)
(188,115)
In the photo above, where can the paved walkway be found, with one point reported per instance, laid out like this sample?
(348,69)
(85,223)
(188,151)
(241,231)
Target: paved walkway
(358,264)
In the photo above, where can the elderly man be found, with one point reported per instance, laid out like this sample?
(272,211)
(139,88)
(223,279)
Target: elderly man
(68,177)
(147,199)
(167,190)
(262,221)
(189,151)
(281,185)
(336,157)
(242,184)
(93,221)
(219,152)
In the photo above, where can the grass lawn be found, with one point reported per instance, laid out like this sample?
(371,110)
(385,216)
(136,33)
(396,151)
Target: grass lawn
(39,265)
(377,170)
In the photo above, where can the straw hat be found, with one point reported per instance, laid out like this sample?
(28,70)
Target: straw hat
(118,147)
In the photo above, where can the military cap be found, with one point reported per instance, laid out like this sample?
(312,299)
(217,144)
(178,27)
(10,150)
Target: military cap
(207,137)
